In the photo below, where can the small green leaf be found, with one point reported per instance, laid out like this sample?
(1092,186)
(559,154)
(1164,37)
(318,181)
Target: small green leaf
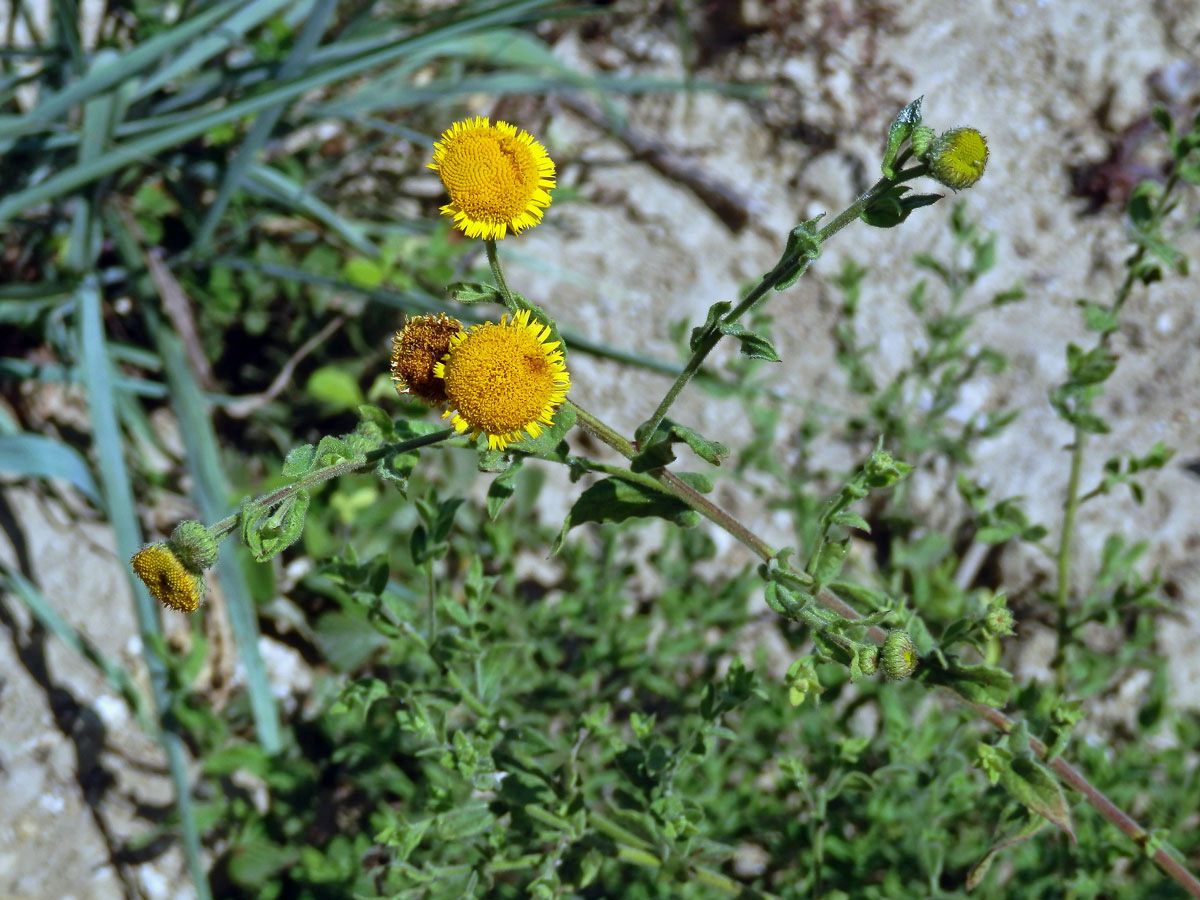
(803,246)
(1024,833)
(1033,785)
(362,272)
(550,444)
(753,345)
(335,388)
(898,132)
(715,314)
(501,488)
(475,292)
(851,520)
(828,561)
(989,685)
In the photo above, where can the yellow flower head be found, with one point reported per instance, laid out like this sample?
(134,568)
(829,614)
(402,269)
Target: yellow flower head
(504,379)
(416,349)
(957,158)
(497,177)
(171,583)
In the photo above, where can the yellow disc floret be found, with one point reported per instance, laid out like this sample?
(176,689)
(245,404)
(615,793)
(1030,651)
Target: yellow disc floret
(168,579)
(497,177)
(416,349)
(504,381)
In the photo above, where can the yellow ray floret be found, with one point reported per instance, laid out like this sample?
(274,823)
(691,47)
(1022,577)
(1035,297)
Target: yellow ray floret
(498,177)
(504,381)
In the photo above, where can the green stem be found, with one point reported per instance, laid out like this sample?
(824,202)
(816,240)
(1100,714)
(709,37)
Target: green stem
(498,274)
(230,523)
(709,339)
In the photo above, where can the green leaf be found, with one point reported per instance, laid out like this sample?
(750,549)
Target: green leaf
(715,313)
(657,451)
(1091,366)
(989,685)
(828,561)
(362,272)
(300,461)
(475,292)
(753,345)
(269,533)
(851,520)
(803,246)
(898,132)
(1025,832)
(1038,790)
(893,206)
(335,388)
(1097,317)
(501,488)
(615,500)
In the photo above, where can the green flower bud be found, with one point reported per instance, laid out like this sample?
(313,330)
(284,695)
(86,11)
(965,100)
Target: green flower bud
(194,545)
(958,157)
(922,137)
(999,620)
(868,659)
(899,655)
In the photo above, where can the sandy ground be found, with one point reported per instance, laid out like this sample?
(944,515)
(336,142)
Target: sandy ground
(1052,85)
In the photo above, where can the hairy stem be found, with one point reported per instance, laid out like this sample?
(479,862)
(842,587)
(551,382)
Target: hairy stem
(712,336)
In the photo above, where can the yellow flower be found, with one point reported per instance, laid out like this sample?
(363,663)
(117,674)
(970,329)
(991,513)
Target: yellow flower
(504,379)
(958,157)
(497,177)
(168,579)
(416,349)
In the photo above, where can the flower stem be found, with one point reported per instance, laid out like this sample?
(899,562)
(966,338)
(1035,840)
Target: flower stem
(709,339)
(493,258)
(229,524)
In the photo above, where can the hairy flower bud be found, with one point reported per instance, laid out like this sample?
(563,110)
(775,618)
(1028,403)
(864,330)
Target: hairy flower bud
(899,655)
(998,621)
(922,137)
(194,545)
(868,659)
(957,158)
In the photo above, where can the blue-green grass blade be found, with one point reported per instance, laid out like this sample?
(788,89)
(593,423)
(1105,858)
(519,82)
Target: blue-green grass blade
(125,66)
(212,497)
(310,36)
(66,25)
(39,456)
(118,496)
(48,616)
(147,146)
(274,184)
(217,40)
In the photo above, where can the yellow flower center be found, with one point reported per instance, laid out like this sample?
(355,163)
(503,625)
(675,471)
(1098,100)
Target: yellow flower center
(490,175)
(505,379)
(497,177)
(167,578)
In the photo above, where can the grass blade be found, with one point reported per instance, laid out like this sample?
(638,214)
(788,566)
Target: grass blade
(119,500)
(121,69)
(274,184)
(314,27)
(139,150)
(38,456)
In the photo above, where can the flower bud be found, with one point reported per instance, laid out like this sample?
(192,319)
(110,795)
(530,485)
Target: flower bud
(868,658)
(194,545)
(171,582)
(899,655)
(922,137)
(998,621)
(957,158)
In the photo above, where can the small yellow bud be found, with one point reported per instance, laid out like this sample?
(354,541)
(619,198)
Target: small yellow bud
(416,349)
(194,545)
(167,578)
(958,157)
(899,655)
